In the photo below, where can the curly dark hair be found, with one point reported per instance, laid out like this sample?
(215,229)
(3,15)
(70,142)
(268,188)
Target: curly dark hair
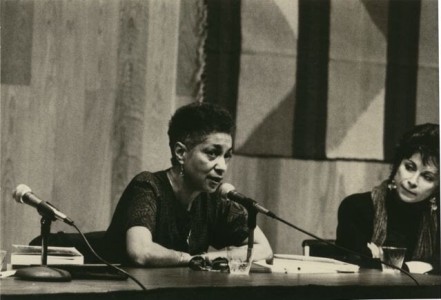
(422,139)
(191,123)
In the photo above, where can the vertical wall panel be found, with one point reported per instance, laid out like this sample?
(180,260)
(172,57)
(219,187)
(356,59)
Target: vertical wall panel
(130,94)
(69,130)
(267,87)
(191,28)
(162,49)
(102,19)
(357,72)
(31,112)
(427,105)
(223,48)
(16,220)
(312,80)
(16,37)
(401,76)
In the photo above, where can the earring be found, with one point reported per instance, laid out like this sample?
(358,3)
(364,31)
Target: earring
(181,173)
(392,186)
(433,206)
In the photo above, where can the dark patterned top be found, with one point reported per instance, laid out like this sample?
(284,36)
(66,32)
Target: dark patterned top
(149,201)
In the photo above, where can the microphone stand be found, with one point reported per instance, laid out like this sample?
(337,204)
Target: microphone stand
(252,215)
(45,231)
(43,272)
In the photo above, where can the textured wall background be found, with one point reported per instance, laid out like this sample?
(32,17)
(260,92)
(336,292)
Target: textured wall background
(87,90)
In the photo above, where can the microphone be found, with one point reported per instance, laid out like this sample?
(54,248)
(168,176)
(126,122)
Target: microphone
(228,191)
(23,194)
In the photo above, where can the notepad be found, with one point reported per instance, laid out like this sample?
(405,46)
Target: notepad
(287,263)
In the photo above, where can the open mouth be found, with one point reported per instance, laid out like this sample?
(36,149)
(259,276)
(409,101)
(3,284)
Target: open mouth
(215,179)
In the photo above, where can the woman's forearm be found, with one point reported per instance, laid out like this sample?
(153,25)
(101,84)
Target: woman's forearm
(156,255)
(142,251)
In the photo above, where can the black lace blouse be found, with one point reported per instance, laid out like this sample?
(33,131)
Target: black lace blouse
(149,201)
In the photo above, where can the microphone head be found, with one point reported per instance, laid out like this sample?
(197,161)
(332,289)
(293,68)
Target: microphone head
(224,189)
(20,191)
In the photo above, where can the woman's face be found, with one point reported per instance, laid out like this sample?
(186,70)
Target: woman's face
(206,163)
(416,181)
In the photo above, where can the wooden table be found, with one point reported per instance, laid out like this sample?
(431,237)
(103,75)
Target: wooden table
(183,283)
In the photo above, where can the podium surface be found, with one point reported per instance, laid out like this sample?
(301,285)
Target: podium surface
(183,283)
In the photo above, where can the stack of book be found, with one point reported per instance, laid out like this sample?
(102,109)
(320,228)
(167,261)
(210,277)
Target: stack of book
(23,255)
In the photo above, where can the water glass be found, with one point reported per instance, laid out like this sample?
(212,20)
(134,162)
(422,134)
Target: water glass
(238,260)
(394,256)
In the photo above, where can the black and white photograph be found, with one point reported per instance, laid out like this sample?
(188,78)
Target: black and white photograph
(219,149)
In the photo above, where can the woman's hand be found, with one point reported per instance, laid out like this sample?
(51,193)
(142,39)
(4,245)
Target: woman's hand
(261,248)
(376,251)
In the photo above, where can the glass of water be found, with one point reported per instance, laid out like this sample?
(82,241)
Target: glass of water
(239,260)
(393,256)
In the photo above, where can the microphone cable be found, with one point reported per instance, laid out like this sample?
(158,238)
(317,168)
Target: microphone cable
(105,262)
(342,248)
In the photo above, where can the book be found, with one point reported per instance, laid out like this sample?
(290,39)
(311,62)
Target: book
(24,255)
(288,263)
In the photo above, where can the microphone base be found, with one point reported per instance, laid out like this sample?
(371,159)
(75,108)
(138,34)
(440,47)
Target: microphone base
(43,273)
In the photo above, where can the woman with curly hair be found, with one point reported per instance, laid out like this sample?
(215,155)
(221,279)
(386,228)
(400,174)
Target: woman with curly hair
(403,211)
(165,218)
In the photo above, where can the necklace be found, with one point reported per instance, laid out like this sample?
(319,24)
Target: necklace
(170,177)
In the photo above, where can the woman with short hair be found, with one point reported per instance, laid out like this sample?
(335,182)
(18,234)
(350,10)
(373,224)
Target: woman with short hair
(165,218)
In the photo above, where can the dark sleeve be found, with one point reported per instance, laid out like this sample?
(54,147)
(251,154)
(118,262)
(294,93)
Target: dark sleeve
(135,208)
(355,223)
(231,227)
(142,206)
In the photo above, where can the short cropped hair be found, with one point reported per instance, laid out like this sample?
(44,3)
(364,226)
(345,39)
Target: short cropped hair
(422,139)
(191,123)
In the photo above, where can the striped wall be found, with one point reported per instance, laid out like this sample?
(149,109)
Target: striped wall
(335,79)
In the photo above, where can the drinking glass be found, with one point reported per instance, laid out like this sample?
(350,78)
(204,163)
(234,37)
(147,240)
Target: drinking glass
(393,256)
(238,261)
